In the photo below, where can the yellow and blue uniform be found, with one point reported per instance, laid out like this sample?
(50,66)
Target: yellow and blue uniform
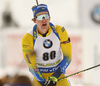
(45,54)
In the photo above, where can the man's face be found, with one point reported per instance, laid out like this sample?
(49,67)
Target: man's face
(44,23)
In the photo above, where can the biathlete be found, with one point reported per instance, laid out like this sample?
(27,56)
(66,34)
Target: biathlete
(46,49)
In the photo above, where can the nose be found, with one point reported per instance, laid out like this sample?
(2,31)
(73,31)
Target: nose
(43,19)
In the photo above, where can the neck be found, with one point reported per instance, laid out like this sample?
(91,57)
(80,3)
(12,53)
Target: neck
(43,31)
(44,35)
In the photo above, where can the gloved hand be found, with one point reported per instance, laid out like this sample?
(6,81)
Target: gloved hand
(51,81)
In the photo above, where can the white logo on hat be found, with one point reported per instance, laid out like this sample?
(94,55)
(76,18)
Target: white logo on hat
(41,6)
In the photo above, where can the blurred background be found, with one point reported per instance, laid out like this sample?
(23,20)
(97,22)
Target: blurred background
(81,18)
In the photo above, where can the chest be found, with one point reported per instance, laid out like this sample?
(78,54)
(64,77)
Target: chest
(47,50)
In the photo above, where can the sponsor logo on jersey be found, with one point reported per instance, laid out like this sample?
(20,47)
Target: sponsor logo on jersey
(47,43)
(49,64)
(48,70)
(36,70)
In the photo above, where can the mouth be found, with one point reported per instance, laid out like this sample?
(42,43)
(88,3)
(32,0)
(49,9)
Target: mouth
(44,24)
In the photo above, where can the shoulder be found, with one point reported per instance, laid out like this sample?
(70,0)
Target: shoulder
(28,35)
(60,28)
(30,32)
(62,32)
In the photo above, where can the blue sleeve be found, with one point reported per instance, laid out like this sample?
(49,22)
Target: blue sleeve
(36,73)
(64,64)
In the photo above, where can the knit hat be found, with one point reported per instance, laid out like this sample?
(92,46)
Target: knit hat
(40,8)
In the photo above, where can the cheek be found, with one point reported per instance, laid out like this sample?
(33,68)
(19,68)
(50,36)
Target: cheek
(38,22)
(48,21)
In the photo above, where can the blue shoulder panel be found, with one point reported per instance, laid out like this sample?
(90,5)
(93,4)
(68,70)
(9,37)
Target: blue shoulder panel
(54,30)
(34,34)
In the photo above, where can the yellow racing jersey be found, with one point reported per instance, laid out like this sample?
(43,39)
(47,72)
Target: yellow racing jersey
(45,54)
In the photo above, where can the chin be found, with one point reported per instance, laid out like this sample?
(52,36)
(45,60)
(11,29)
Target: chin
(44,27)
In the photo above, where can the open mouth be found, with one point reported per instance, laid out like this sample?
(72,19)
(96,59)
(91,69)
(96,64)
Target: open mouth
(44,24)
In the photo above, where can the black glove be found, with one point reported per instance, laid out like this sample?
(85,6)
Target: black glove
(51,81)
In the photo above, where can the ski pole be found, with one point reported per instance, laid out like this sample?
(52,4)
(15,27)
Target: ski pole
(79,72)
(37,2)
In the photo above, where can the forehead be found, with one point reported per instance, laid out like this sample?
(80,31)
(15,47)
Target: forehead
(41,13)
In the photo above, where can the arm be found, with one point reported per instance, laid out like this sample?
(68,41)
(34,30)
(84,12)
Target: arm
(29,56)
(65,47)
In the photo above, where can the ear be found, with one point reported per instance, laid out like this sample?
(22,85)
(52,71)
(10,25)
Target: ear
(34,20)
